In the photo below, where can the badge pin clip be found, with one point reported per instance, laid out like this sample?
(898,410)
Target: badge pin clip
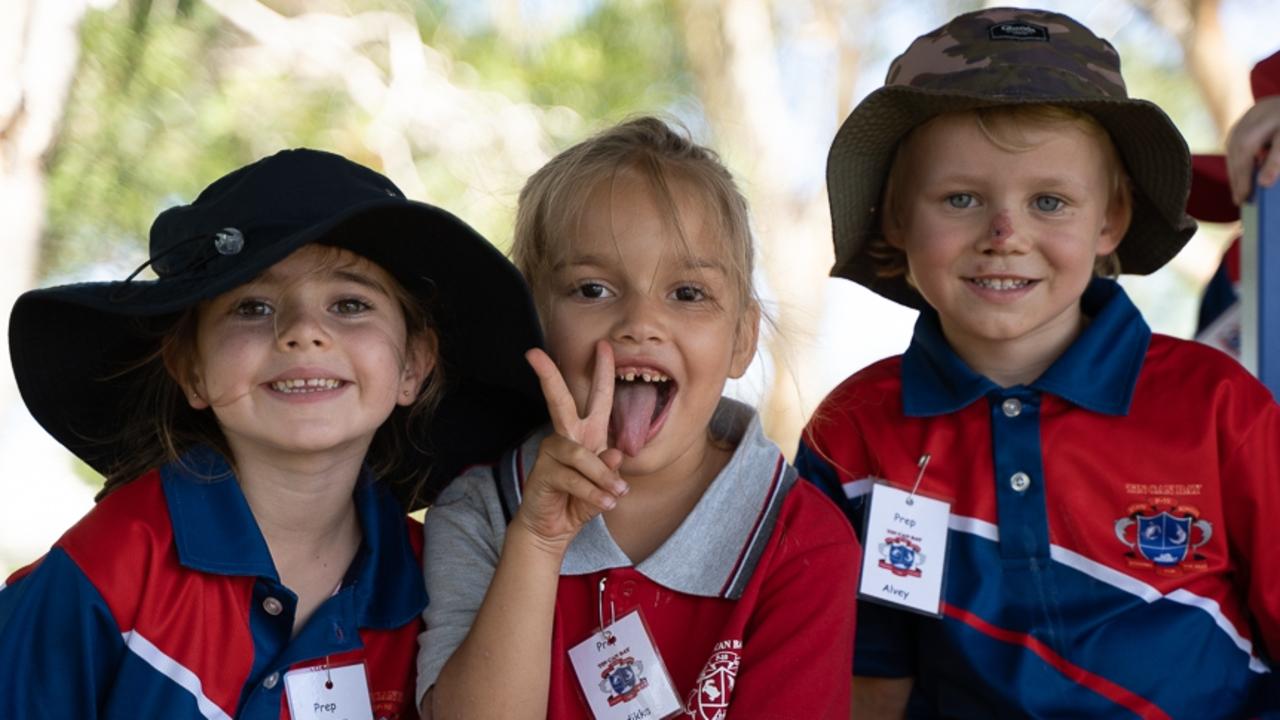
(922,463)
(613,613)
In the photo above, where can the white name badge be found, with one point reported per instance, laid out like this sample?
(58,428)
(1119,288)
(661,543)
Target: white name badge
(622,675)
(904,556)
(329,693)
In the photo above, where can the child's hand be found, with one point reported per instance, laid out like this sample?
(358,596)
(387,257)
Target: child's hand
(1254,142)
(576,475)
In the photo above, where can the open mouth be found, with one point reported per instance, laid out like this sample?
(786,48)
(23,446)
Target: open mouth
(300,386)
(641,399)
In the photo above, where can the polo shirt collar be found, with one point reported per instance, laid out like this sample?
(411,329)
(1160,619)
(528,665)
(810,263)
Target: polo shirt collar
(1098,372)
(713,552)
(214,531)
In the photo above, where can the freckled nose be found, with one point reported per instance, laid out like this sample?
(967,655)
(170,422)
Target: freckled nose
(1001,226)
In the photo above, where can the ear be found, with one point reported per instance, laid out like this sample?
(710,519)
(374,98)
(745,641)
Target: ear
(745,340)
(421,353)
(195,395)
(1115,225)
(893,235)
(182,371)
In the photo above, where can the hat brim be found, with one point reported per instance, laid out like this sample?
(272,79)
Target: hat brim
(76,348)
(1210,198)
(1152,149)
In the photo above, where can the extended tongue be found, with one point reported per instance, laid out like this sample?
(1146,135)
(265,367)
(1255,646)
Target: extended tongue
(633,405)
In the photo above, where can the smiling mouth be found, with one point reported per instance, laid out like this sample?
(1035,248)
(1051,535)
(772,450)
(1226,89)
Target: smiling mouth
(989,283)
(641,398)
(308,385)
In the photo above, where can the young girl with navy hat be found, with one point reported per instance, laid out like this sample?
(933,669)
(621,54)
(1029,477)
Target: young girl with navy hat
(310,363)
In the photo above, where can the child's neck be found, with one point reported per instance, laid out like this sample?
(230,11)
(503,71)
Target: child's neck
(659,502)
(307,516)
(1021,360)
(298,498)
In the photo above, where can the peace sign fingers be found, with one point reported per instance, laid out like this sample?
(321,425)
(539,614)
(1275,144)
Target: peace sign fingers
(592,431)
(560,404)
(595,426)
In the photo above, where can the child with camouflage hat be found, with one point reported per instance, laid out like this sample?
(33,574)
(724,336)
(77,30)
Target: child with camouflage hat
(1060,509)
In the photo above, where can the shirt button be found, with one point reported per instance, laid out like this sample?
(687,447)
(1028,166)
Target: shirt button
(271,680)
(1011,407)
(1020,481)
(272,606)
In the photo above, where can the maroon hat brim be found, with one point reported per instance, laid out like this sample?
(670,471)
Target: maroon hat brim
(1210,198)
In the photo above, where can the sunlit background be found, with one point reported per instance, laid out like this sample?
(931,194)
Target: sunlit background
(112,111)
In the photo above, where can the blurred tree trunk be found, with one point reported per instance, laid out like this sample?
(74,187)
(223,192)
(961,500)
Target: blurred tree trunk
(733,52)
(39,49)
(1220,74)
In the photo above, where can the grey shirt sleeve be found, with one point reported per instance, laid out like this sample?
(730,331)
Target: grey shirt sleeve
(464,534)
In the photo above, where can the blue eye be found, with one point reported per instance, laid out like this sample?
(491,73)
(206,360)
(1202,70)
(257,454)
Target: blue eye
(961,201)
(252,308)
(1048,203)
(350,306)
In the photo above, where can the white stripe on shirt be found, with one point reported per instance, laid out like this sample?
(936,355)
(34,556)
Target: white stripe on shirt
(172,669)
(1121,581)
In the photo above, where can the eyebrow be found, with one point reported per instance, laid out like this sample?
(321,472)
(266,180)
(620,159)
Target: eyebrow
(962,178)
(689,263)
(359,279)
(580,261)
(335,273)
(698,263)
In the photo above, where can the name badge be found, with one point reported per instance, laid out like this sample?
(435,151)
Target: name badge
(329,693)
(622,675)
(905,553)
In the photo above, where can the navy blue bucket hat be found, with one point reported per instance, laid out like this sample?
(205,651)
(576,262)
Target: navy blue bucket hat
(76,349)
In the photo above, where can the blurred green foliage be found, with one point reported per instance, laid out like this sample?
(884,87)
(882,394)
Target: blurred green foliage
(161,105)
(619,57)
(147,122)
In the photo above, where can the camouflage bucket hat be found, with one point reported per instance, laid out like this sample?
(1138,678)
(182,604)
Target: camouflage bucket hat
(1001,57)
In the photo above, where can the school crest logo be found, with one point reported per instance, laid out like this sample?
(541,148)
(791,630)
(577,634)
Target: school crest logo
(901,555)
(622,679)
(1164,537)
(709,699)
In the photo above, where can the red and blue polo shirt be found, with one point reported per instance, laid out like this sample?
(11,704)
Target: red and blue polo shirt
(163,602)
(749,602)
(1112,550)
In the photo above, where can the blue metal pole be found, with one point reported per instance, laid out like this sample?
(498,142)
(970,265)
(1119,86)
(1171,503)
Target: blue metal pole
(1260,287)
